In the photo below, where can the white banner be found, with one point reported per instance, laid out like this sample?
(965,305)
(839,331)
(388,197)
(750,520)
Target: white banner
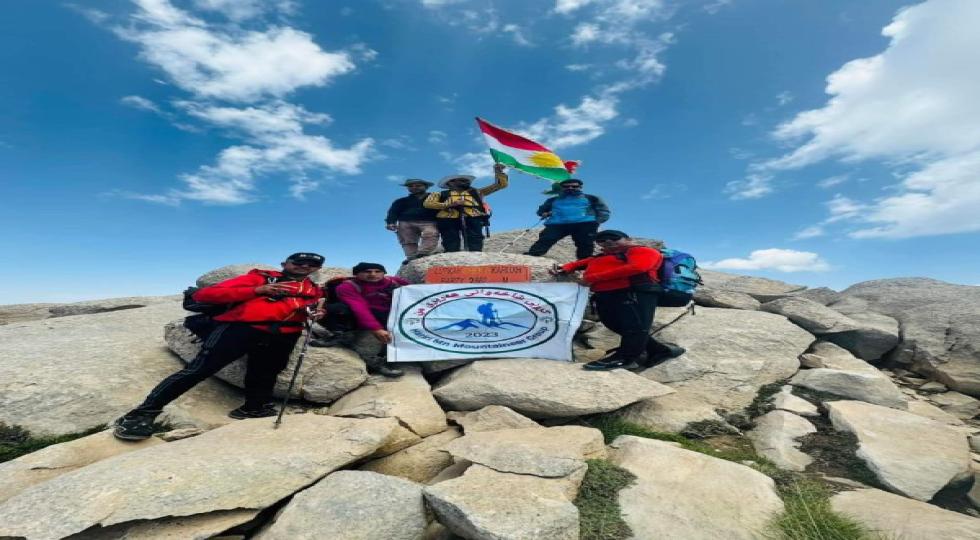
(502,320)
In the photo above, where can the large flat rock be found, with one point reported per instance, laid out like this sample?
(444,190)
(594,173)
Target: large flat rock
(193,476)
(484,504)
(940,326)
(490,418)
(685,495)
(543,388)
(352,505)
(730,354)
(547,452)
(762,289)
(13,313)
(868,336)
(406,398)
(415,270)
(910,454)
(420,462)
(326,374)
(671,413)
(58,459)
(893,516)
(870,386)
(776,436)
(70,374)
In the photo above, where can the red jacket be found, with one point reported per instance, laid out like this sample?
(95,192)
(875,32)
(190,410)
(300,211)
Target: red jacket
(610,272)
(249,306)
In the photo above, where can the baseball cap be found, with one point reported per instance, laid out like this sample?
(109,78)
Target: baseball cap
(306,257)
(611,234)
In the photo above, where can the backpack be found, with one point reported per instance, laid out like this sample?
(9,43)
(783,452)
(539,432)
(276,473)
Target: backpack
(339,316)
(475,193)
(678,278)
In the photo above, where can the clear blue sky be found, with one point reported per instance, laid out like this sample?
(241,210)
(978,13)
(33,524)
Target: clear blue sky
(145,142)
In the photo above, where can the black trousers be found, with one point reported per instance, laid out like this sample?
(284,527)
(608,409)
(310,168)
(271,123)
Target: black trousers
(583,234)
(268,354)
(630,314)
(468,228)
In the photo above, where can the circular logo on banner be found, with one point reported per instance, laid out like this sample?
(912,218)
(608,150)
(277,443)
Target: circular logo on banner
(480,320)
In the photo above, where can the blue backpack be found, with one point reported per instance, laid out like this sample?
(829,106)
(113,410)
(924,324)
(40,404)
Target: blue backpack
(679,278)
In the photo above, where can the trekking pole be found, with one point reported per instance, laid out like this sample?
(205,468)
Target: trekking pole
(527,230)
(689,309)
(310,311)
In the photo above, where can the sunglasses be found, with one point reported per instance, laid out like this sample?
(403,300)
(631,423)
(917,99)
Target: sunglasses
(310,264)
(607,239)
(569,186)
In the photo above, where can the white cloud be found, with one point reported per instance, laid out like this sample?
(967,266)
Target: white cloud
(94,16)
(568,6)
(478,164)
(783,260)
(253,70)
(578,67)
(716,6)
(571,126)
(138,102)
(439,3)
(230,63)
(656,192)
(753,186)
(784,98)
(809,232)
(437,137)
(915,107)
(518,34)
(841,208)
(832,181)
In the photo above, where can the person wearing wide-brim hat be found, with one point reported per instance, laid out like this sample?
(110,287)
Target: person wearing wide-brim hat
(414,224)
(462,214)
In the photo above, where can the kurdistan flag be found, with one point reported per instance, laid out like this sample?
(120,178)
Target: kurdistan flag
(524,154)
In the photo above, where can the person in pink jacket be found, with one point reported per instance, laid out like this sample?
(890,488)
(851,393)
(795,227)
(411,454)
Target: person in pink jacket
(369,296)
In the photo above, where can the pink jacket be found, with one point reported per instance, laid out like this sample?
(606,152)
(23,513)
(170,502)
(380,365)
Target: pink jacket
(365,297)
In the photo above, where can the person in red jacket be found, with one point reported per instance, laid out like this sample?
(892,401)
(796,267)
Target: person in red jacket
(266,319)
(625,289)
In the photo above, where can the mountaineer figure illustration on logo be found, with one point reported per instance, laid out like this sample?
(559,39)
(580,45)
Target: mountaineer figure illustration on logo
(476,320)
(490,320)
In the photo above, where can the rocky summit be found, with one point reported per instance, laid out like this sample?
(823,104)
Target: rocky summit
(867,399)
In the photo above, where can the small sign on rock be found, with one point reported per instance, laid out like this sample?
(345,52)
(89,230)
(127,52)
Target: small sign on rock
(491,273)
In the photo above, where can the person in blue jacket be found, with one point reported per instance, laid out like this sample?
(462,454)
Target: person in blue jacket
(570,213)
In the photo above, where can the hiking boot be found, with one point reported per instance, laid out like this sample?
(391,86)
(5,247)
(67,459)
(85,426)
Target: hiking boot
(613,361)
(379,366)
(658,352)
(134,425)
(244,412)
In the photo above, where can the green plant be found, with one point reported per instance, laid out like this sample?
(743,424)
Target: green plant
(600,517)
(809,516)
(16,441)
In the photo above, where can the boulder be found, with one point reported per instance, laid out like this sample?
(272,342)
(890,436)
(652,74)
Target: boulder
(720,298)
(730,354)
(112,361)
(354,505)
(420,462)
(543,388)
(957,404)
(677,495)
(55,460)
(326,374)
(940,326)
(867,385)
(490,418)
(517,241)
(912,455)
(671,413)
(776,437)
(824,354)
(822,295)
(198,527)
(786,401)
(869,340)
(553,452)
(415,270)
(924,409)
(933,387)
(893,516)
(12,313)
(172,479)
(762,289)
(406,398)
(484,504)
